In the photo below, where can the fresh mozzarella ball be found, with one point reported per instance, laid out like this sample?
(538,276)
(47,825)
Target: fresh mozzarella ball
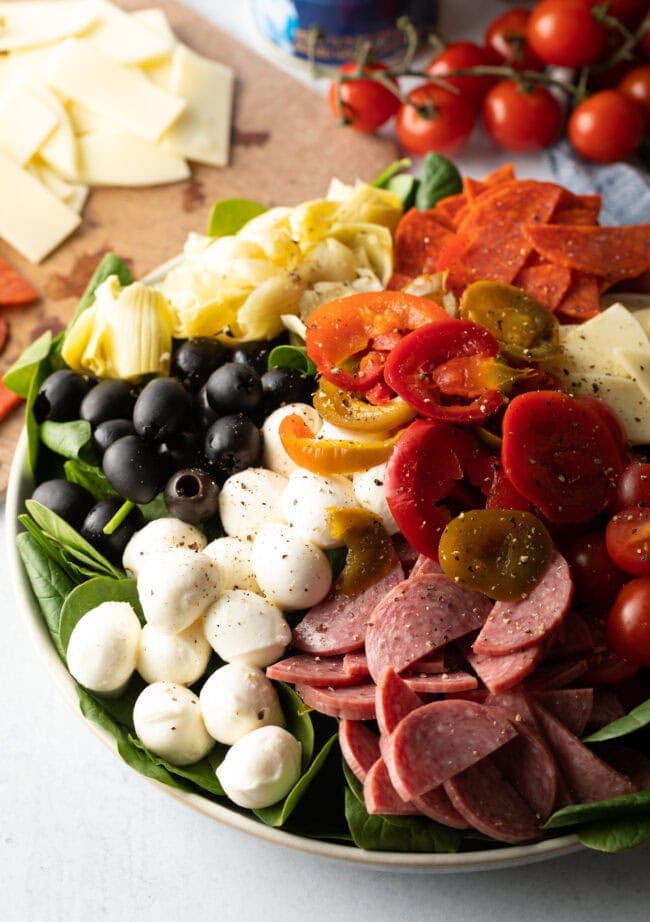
(261,768)
(160,535)
(176,587)
(275,457)
(237,699)
(368,488)
(103,647)
(180,658)
(307,499)
(251,499)
(168,721)
(243,627)
(291,572)
(329,431)
(235,559)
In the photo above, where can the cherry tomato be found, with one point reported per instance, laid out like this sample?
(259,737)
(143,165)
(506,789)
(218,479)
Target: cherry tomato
(521,119)
(628,624)
(606,127)
(628,540)
(634,485)
(459,55)
(444,128)
(506,36)
(366,103)
(565,33)
(644,44)
(636,85)
(629,12)
(596,578)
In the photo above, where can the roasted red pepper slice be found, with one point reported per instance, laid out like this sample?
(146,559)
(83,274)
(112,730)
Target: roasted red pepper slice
(439,361)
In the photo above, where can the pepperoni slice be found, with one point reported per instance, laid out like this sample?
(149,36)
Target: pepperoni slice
(545,282)
(419,237)
(581,300)
(359,747)
(15,290)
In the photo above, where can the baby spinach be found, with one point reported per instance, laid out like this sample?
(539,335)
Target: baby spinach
(578,814)
(67,439)
(618,835)
(637,719)
(91,594)
(71,541)
(49,581)
(229,215)
(298,720)
(291,357)
(19,377)
(392,170)
(439,179)
(406,187)
(201,773)
(111,264)
(89,477)
(53,550)
(156,509)
(41,372)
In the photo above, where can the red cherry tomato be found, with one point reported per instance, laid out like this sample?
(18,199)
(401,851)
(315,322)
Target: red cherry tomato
(636,85)
(629,12)
(596,578)
(565,33)
(506,36)
(606,127)
(366,103)
(444,125)
(459,55)
(628,624)
(644,44)
(634,486)
(521,119)
(628,540)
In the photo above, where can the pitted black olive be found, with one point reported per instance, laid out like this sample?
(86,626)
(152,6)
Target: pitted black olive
(192,495)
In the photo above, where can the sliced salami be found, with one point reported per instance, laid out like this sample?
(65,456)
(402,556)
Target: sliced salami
(430,665)
(437,806)
(394,699)
(557,674)
(355,664)
(514,626)
(631,763)
(306,669)
(572,638)
(425,566)
(338,623)
(420,615)
(499,673)
(355,703)
(381,797)
(359,747)
(438,740)
(489,803)
(446,683)
(572,706)
(407,555)
(606,708)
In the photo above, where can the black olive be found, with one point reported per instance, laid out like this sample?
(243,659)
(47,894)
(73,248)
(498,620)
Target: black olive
(132,468)
(68,500)
(204,415)
(285,385)
(162,409)
(179,452)
(256,353)
(60,396)
(110,431)
(196,359)
(192,495)
(234,388)
(111,546)
(108,400)
(232,444)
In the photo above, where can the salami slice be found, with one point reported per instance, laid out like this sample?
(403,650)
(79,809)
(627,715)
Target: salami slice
(499,673)
(355,664)
(306,669)
(437,806)
(629,762)
(381,797)
(438,740)
(490,804)
(394,700)
(515,626)
(338,623)
(406,554)
(606,708)
(445,683)
(355,703)
(429,665)
(359,747)
(418,616)
(572,638)
(571,706)
(425,566)
(557,674)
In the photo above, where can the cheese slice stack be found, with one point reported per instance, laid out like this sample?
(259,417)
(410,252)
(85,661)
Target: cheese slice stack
(91,95)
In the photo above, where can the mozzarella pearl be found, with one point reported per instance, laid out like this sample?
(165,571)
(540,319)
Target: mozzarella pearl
(168,721)
(237,699)
(261,768)
(251,499)
(243,627)
(292,573)
(307,499)
(330,431)
(103,648)
(160,535)
(369,490)
(180,658)
(176,587)
(275,457)
(235,559)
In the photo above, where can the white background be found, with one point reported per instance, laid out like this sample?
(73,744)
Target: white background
(85,839)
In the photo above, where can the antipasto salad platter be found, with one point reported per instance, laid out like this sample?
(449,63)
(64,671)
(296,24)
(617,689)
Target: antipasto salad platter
(341,521)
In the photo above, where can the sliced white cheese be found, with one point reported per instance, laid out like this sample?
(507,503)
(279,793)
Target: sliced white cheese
(623,395)
(25,123)
(117,158)
(156,20)
(32,219)
(592,342)
(643,319)
(202,133)
(38,22)
(60,149)
(124,95)
(636,366)
(125,38)
(159,72)
(83,120)
(30,63)
(73,194)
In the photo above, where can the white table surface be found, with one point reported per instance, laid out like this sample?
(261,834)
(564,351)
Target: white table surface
(85,839)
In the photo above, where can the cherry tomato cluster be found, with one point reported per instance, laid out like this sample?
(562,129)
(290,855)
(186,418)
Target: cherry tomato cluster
(508,85)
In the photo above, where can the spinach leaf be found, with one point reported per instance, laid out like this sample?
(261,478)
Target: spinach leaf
(89,477)
(392,170)
(439,179)
(638,718)
(156,509)
(618,835)
(92,593)
(406,186)
(201,773)
(50,583)
(111,264)
(337,557)
(277,814)
(616,807)
(399,834)
(19,377)
(229,215)
(41,372)
(52,550)
(299,722)
(70,540)
(291,357)
(66,439)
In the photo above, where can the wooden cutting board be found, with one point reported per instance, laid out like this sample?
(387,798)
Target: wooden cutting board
(285,148)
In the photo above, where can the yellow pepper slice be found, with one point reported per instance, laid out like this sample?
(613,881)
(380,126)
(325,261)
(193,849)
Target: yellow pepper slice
(370,551)
(343,409)
(330,456)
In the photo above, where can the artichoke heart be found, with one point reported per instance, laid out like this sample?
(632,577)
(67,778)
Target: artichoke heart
(126,333)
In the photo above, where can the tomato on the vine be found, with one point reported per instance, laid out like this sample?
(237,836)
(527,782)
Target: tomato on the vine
(366,104)
(636,85)
(506,36)
(630,12)
(521,118)
(606,127)
(434,120)
(566,33)
(628,624)
(457,56)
